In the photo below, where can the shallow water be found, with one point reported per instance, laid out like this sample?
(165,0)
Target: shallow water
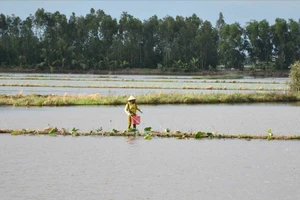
(133,77)
(146,84)
(45,167)
(8,90)
(282,119)
(164,82)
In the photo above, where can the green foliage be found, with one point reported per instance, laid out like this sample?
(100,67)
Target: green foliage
(199,135)
(209,134)
(52,131)
(148,136)
(147,131)
(295,77)
(114,131)
(74,132)
(133,130)
(14,133)
(270,134)
(99,130)
(147,128)
(97,41)
(269,131)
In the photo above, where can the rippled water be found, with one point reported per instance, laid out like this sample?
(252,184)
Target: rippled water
(283,119)
(45,167)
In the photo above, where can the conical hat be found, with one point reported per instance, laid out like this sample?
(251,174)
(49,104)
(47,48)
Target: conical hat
(131,98)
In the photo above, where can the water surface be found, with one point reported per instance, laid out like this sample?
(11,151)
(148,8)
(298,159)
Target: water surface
(45,167)
(283,119)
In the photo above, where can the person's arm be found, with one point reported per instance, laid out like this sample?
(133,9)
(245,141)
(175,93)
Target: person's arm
(139,109)
(126,109)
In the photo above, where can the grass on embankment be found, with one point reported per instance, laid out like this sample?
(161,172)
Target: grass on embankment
(153,98)
(147,134)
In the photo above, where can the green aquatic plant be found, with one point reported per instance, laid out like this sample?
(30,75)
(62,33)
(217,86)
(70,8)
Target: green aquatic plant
(74,132)
(113,131)
(64,131)
(148,136)
(176,134)
(133,130)
(147,133)
(270,134)
(99,130)
(210,135)
(181,136)
(33,132)
(199,135)
(14,133)
(52,131)
(147,130)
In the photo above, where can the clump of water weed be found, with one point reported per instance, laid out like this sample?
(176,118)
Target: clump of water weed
(147,133)
(74,132)
(199,135)
(270,134)
(53,131)
(134,131)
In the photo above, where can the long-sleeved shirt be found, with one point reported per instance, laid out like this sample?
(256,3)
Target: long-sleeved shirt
(131,108)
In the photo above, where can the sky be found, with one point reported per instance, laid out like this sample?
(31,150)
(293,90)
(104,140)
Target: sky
(240,11)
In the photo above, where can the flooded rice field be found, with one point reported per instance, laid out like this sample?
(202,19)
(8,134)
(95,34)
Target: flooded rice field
(154,82)
(129,77)
(44,167)
(12,90)
(146,84)
(283,119)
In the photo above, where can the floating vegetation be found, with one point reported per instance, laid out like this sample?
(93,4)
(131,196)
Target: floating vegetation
(148,134)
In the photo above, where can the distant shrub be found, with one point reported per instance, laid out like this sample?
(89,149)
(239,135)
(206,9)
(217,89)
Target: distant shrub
(295,77)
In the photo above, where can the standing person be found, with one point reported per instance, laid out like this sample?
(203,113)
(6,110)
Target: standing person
(131,108)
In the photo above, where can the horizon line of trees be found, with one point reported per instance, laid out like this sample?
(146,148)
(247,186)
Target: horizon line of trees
(97,41)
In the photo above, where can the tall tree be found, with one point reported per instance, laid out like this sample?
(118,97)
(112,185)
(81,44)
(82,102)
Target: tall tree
(280,39)
(232,46)
(207,40)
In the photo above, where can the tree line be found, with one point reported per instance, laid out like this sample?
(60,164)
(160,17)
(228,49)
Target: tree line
(97,41)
